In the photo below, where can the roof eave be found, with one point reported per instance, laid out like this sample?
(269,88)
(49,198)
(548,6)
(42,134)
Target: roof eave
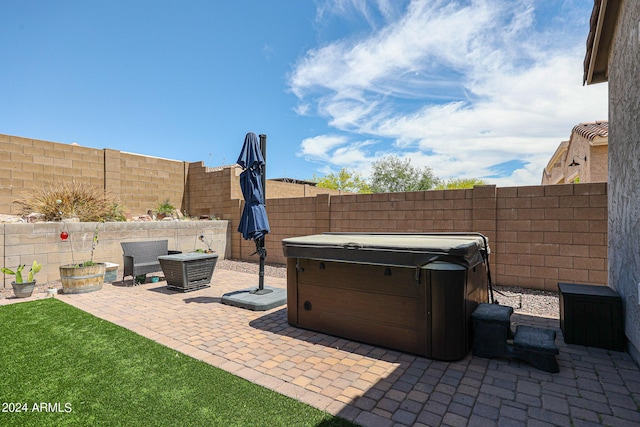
(599,141)
(599,41)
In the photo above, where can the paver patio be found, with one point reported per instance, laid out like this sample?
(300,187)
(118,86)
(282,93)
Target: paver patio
(369,385)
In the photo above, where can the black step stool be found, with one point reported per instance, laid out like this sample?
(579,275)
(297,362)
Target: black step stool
(492,326)
(537,347)
(493,337)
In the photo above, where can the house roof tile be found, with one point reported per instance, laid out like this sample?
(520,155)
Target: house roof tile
(592,130)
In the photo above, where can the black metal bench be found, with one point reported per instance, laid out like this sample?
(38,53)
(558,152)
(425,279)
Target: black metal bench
(140,258)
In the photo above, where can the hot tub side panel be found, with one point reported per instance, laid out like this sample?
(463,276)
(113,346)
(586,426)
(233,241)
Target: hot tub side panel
(368,303)
(292,291)
(477,291)
(447,291)
(452,295)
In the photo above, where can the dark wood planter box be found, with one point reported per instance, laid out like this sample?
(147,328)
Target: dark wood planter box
(591,315)
(189,271)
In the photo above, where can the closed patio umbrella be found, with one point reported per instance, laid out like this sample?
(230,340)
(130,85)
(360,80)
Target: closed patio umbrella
(254,224)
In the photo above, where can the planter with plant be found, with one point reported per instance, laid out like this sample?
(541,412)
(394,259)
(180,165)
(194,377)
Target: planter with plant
(23,288)
(207,242)
(165,209)
(87,276)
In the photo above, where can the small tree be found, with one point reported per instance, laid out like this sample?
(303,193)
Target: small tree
(345,180)
(391,174)
(458,183)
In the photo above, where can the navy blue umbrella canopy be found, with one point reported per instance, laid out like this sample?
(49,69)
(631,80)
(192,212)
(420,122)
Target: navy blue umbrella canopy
(254,223)
(251,155)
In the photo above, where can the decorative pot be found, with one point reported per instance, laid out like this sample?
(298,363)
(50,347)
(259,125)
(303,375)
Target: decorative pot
(79,280)
(24,289)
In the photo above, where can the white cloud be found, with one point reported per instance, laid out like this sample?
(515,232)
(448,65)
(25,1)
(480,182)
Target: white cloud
(428,33)
(457,87)
(319,147)
(368,9)
(336,150)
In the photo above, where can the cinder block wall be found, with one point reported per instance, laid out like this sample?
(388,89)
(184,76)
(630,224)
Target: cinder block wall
(281,190)
(550,234)
(22,243)
(27,163)
(539,235)
(209,189)
(142,182)
(139,182)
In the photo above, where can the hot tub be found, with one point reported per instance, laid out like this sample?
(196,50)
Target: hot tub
(409,292)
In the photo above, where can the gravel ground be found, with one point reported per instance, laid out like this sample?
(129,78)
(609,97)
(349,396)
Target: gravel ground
(540,303)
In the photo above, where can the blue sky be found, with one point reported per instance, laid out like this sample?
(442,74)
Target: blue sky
(471,88)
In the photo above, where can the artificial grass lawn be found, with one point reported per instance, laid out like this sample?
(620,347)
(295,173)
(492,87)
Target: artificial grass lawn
(88,371)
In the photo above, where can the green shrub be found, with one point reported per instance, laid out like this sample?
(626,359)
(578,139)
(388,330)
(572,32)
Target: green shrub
(165,208)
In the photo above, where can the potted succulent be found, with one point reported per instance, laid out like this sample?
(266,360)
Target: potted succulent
(87,276)
(22,288)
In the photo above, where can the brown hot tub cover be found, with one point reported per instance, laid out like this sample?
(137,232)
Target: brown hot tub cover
(402,250)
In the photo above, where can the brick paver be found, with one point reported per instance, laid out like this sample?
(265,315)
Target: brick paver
(370,385)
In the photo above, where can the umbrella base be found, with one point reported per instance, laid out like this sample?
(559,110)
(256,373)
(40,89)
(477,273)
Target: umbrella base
(255,299)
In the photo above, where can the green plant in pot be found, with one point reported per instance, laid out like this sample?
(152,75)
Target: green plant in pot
(207,242)
(23,288)
(87,276)
(165,209)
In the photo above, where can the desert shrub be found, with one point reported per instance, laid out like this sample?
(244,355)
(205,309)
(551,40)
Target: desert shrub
(166,208)
(71,199)
(116,212)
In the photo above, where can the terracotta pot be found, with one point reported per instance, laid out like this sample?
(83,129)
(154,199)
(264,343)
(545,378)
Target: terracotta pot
(78,280)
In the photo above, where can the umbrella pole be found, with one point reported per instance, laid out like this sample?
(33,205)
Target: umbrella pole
(263,150)
(263,254)
(260,249)
(260,242)
(261,277)
(253,223)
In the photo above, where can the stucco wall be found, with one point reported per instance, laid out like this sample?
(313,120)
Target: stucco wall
(600,165)
(554,172)
(590,158)
(624,164)
(593,169)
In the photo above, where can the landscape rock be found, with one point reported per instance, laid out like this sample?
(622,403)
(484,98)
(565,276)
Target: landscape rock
(11,219)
